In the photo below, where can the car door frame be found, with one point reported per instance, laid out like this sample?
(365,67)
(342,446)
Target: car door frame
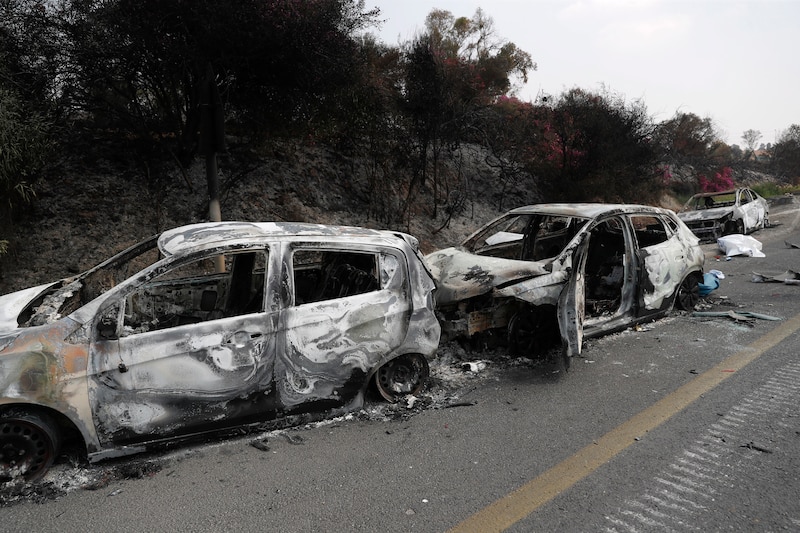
(308,371)
(125,412)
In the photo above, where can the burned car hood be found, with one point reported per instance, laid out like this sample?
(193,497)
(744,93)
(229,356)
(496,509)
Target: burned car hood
(705,214)
(460,274)
(12,304)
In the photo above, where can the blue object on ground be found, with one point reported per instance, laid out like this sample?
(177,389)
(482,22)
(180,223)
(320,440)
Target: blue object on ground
(710,282)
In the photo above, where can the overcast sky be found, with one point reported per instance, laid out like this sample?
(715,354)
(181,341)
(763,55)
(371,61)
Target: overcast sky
(733,61)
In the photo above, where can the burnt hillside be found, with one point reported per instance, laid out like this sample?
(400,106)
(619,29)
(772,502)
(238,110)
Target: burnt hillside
(80,218)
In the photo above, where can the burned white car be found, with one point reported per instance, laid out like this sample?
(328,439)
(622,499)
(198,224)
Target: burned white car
(210,326)
(710,215)
(566,271)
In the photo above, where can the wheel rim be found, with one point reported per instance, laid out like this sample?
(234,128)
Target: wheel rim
(531,332)
(27,448)
(689,293)
(523,333)
(402,376)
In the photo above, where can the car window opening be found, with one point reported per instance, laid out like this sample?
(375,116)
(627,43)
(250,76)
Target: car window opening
(326,275)
(526,237)
(196,292)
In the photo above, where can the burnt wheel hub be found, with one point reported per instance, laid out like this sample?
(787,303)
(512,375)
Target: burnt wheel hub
(24,450)
(402,376)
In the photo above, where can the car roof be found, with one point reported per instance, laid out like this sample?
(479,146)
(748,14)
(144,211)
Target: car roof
(717,193)
(585,210)
(210,234)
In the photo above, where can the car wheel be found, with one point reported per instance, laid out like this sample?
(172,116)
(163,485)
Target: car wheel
(732,227)
(402,376)
(530,333)
(29,443)
(688,293)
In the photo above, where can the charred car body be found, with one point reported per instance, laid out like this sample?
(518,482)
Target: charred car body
(579,269)
(711,215)
(209,326)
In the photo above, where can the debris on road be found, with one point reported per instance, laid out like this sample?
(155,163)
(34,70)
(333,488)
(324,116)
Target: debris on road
(791,244)
(790,277)
(737,316)
(737,244)
(474,366)
(710,282)
(260,444)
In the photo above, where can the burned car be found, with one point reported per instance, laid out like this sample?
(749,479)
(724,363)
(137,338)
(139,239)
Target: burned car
(564,272)
(710,215)
(211,326)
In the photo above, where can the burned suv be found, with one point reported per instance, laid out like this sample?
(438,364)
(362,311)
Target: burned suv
(210,326)
(573,270)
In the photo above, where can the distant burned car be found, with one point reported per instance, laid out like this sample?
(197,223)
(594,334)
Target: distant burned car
(710,215)
(566,270)
(209,326)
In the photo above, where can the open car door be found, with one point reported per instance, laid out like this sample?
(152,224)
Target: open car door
(571,304)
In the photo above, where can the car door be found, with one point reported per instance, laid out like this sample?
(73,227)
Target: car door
(190,350)
(571,301)
(662,262)
(749,210)
(350,308)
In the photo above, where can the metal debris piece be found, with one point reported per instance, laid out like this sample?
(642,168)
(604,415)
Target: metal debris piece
(738,316)
(474,366)
(260,444)
(294,439)
(790,277)
(460,404)
(752,446)
(791,244)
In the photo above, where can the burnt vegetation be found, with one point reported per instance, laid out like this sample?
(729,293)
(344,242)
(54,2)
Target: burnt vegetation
(119,87)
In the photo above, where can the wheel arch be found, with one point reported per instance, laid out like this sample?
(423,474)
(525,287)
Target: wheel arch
(68,429)
(695,271)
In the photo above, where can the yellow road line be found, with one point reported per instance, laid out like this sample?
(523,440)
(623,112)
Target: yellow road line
(518,504)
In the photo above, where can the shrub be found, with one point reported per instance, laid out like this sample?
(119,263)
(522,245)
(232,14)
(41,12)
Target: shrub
(24,146)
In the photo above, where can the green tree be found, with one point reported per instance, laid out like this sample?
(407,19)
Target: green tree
(511,130)
(597,147)
(454,70)
(24,146)
(786,154)
(687,139)
(136,65)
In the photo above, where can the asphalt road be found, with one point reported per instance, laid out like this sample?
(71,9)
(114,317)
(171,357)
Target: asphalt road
(688,424)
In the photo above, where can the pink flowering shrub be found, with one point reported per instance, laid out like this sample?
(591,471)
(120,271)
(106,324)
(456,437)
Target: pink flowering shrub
(722,181)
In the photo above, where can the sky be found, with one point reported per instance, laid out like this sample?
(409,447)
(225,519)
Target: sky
(734,62)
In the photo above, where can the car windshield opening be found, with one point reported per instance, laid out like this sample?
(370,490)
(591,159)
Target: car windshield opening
(530,237)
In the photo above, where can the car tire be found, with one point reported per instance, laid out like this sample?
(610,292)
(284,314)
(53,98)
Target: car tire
(29,443)
(688,294)
(532,331)
(402,376)
(733,227)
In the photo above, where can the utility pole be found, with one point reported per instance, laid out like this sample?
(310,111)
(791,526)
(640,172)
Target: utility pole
(212,140)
